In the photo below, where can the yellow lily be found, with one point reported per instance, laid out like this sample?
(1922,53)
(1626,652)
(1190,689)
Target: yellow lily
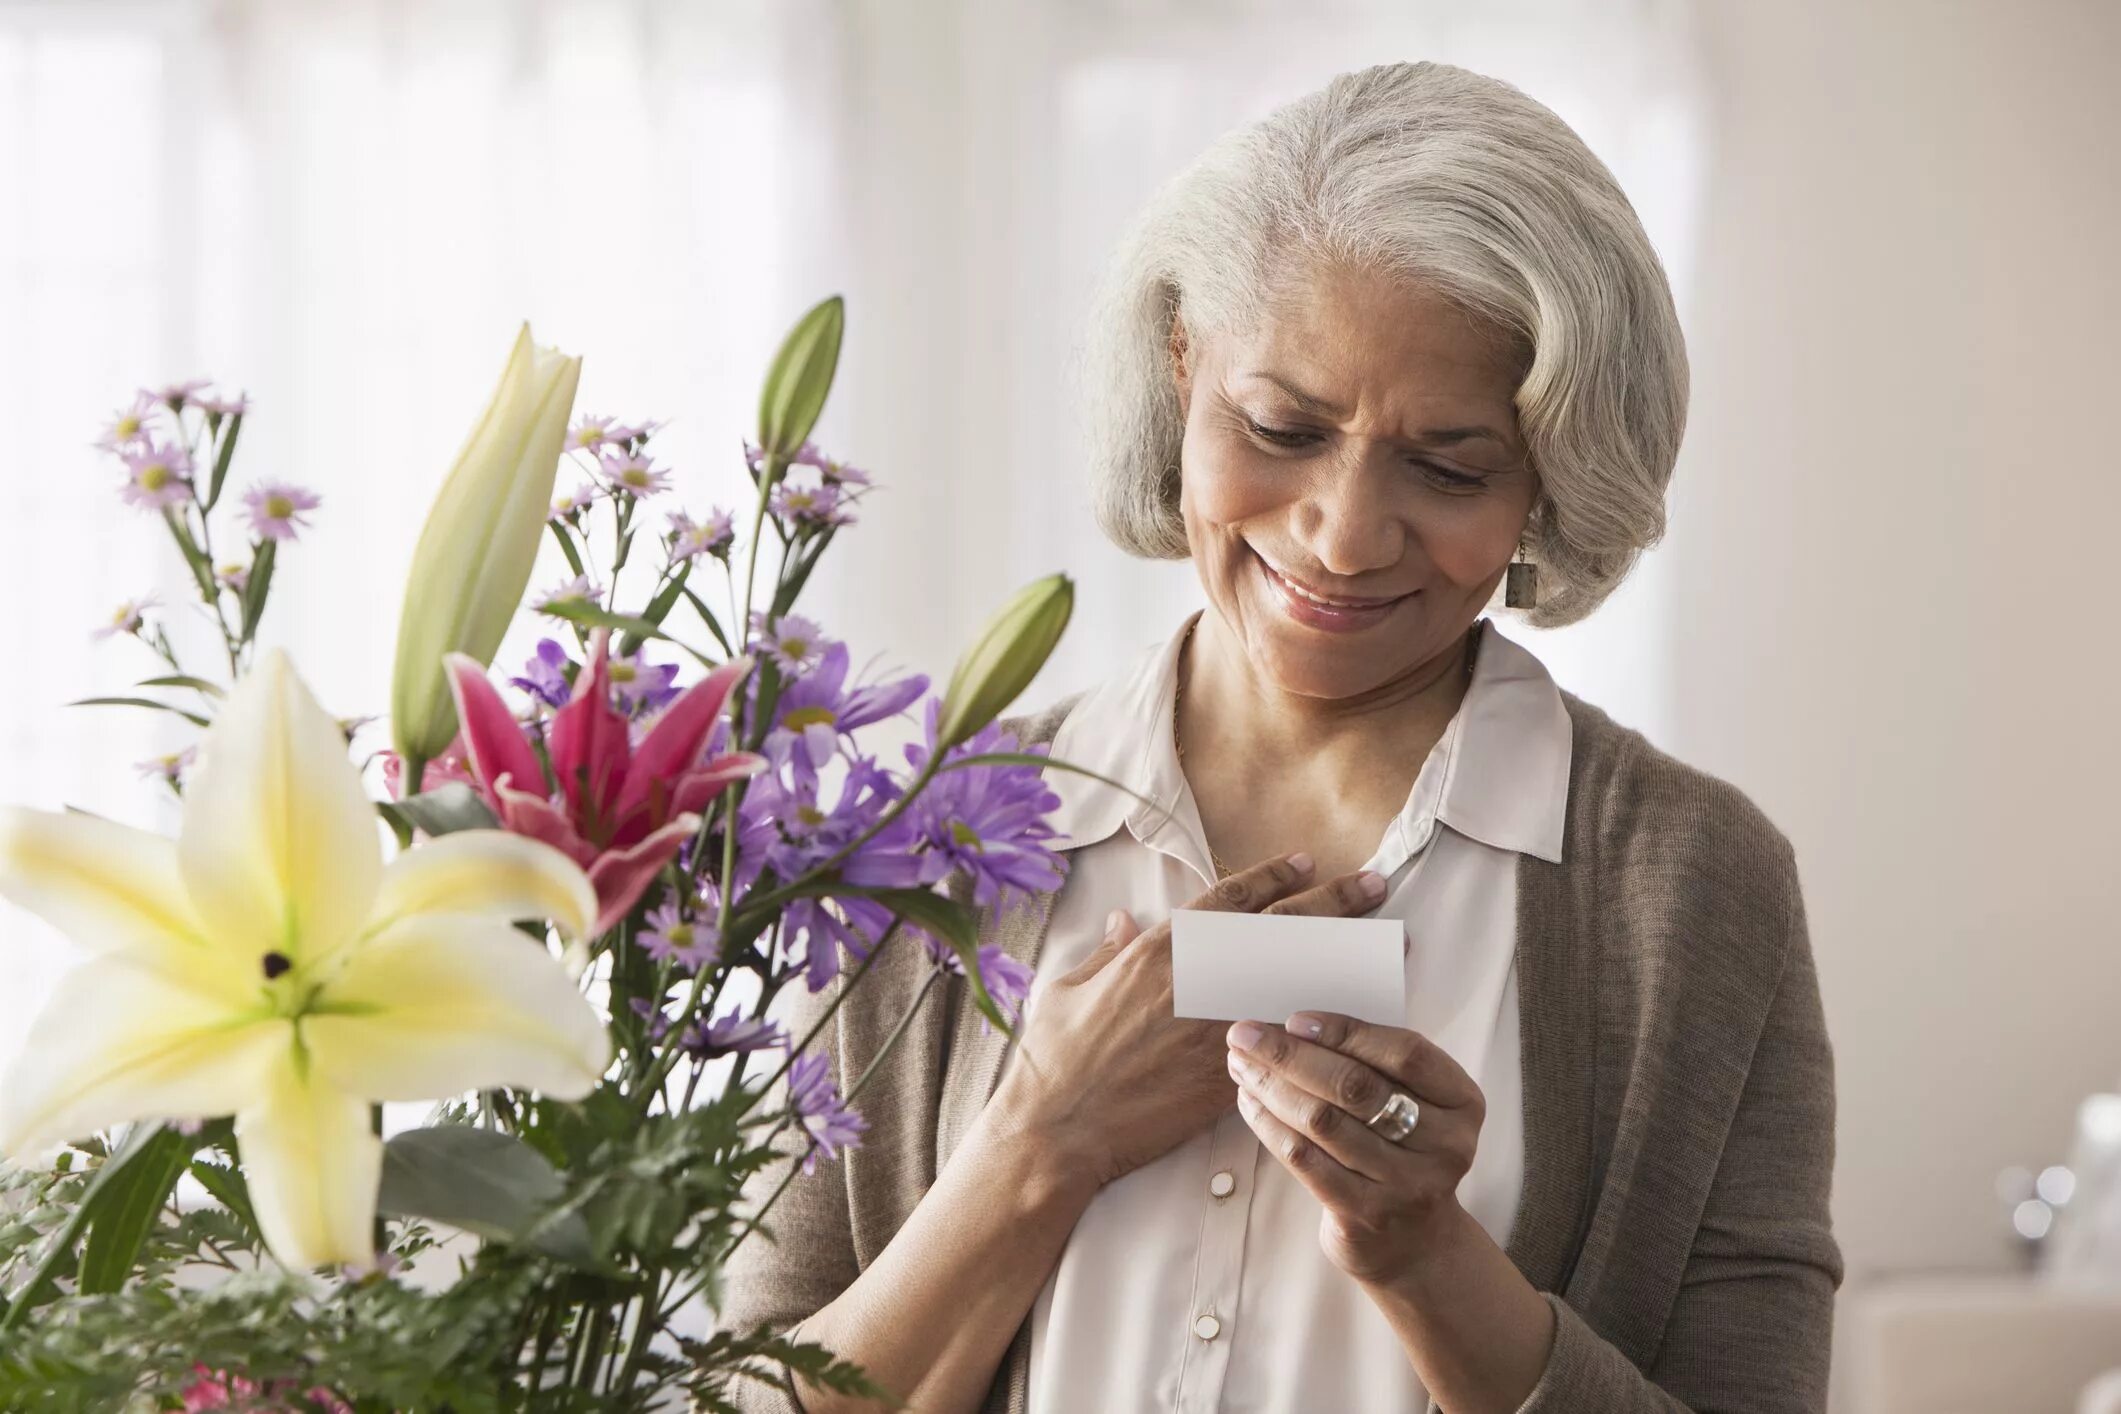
(267,964)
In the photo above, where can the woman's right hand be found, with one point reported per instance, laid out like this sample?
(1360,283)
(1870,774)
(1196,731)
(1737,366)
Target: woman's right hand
(1105,1072)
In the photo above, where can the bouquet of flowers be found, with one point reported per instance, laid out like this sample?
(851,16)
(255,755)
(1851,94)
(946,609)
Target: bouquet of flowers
(560,906)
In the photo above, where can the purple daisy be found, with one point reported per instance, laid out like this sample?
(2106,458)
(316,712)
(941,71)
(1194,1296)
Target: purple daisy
(222,405)
(816,709)
(670,936)
(129,618)
(732,1032)
(816,1098)
(989,820)
(1006,980)
(570,506)
(579,590)
(129,428)
(712,536)
(545,676)
(639,688)
(791,640)
(809,506)
(176,395)
(156,476)
(276,509)
(632,474)
(232,576)
(632,433)
(589,434)
(169,769)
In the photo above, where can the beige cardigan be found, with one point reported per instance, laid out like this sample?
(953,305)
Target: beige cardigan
(1678,1106)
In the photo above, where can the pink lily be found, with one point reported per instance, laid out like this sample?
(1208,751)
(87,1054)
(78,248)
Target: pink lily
(620,812)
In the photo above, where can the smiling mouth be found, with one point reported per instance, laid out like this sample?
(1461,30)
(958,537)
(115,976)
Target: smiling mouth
(1343,603)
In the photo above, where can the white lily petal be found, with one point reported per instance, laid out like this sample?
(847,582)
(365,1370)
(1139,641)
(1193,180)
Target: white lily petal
(279,847)
(122,1041)
(313,1165)
(443,1003)
(109,887)
(490,873)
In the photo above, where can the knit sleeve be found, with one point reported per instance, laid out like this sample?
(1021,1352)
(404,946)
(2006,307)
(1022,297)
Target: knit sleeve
(1751,1327)
(783,1279)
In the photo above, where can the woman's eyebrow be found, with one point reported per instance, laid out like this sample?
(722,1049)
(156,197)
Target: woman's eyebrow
(1321,407)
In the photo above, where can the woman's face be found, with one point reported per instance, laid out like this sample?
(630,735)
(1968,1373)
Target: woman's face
(1329,456)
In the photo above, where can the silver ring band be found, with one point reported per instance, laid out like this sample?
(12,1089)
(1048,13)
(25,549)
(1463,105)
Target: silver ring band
(1396,1118)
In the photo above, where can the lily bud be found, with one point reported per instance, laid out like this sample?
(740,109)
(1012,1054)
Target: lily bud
(475,555)
(800,378)
(1006,656)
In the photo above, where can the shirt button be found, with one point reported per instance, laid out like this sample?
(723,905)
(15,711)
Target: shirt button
(1222,1184)
(1207,1328)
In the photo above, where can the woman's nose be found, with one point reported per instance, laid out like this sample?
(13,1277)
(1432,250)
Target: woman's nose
(1347,524)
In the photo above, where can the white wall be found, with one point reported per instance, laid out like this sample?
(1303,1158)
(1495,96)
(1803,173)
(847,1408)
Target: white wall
(1894,520)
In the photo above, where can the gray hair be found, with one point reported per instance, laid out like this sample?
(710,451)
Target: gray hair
(1462,183)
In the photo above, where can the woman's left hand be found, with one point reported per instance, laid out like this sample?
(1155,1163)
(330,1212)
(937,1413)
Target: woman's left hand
(1307,1095)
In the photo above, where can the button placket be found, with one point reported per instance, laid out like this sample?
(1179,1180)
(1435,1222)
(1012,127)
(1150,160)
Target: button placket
(1232,1157)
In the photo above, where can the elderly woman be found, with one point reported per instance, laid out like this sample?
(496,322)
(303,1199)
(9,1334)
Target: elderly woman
(1399,345)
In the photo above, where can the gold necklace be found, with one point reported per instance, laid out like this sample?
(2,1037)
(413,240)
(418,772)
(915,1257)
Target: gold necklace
(1178,692)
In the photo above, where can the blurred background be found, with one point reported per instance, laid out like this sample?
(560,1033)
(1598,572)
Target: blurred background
(1889,226)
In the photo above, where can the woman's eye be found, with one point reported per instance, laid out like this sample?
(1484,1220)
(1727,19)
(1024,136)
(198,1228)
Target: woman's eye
(1281,436)
(1450,480)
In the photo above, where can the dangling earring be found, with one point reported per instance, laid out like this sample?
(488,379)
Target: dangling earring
(1521,588)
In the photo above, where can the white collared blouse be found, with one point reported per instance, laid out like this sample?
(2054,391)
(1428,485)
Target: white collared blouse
(1197,1283)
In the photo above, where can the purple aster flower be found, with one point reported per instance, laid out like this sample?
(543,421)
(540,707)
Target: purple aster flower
(632,433)
(693,944)
(712,536)
(639,688)
(169,769)
(129,427)
(732,1032)
(579,590)
(156,476)
(823,927)
(791,640)
(232,576)
(816,709)
(129,617)
(589,434)
(817,1103)
(809,506)
(658,1024)
(1006,980)
(223,405)
(545,676)
(176,395)
(632,474)
(988,820)
(570,506)
(276,509)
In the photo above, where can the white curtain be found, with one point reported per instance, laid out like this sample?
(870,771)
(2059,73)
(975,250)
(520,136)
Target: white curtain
(346,206)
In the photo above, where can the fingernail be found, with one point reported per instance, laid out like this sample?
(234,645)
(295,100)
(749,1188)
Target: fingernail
(1306,1025)
(1300,862)
(1113,920)
(1245,1035)
(1372,885)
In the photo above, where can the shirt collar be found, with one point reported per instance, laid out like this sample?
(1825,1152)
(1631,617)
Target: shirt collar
(1499,774)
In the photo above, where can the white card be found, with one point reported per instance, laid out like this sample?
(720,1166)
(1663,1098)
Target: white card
(1262,966)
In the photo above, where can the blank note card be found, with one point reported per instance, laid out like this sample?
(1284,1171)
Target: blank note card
(1230,966)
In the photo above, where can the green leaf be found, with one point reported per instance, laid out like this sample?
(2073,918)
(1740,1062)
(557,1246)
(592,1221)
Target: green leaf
(202,572)
(135,1147)
(487,1183)
(581,611)
(126,1205)
(229,1189)
(714,625)
(800,378)
(221,461)
(658,609)
(192,717)
(211,689)
(448,809)
(574,556)
(258,585)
